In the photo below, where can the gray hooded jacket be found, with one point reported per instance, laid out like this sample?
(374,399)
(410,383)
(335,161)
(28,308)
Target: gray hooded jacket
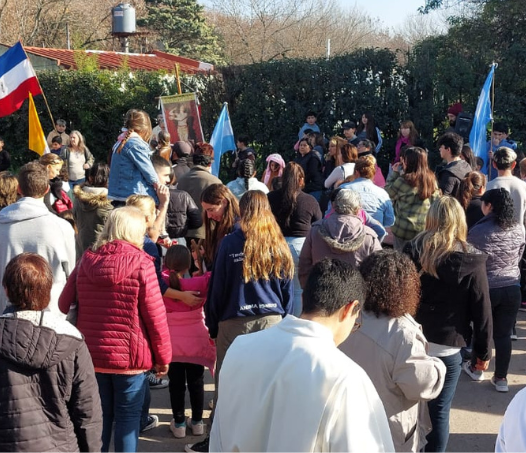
(339,236)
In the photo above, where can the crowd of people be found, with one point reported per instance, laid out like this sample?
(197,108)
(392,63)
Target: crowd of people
(335,306)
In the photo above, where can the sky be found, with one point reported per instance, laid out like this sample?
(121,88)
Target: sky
(391,12)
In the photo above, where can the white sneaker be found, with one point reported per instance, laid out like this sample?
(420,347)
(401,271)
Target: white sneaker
(475,375)
(501,385)
(198,428)
(178,429)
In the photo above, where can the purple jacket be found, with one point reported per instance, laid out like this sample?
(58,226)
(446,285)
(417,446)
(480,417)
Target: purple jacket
(504,249)
(339,236)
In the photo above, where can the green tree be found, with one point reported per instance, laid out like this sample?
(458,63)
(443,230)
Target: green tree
(182,29)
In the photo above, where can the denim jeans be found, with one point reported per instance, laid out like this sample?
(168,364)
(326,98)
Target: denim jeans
(295,245)
(316,194)
(146,403)
(76,182)
(122,399)
(440,407)
(505,304)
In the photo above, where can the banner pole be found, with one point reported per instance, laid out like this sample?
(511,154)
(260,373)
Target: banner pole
(492,119)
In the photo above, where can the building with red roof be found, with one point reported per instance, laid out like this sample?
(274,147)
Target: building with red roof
(53,59)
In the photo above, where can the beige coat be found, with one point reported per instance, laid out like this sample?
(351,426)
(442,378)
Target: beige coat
(392,351)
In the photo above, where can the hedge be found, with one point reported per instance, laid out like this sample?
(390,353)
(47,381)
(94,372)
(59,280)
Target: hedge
(268,101)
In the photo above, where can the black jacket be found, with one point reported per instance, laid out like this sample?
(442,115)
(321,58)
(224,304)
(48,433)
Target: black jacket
(459,296)
(450,176)
(49,398)
(182,215)
(313,175)
(474,211)
(180,168)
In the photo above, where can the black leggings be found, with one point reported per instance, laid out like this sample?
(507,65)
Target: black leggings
(505,304)
(180,375)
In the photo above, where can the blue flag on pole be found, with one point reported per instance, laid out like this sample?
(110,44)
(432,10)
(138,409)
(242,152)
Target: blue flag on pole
(477,136)
(222,139)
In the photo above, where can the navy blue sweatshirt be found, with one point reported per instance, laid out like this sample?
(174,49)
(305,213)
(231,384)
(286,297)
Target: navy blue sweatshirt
(230,297)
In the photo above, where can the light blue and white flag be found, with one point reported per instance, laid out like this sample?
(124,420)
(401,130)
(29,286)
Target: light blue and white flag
(477,136)
(222,139)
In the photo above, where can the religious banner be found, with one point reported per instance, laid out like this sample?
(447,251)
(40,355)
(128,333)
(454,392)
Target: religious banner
(181,117)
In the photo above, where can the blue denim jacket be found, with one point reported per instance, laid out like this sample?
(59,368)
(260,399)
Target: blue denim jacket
(132,171)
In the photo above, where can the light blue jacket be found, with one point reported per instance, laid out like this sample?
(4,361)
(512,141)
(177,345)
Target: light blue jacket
(131,171)
(375,200)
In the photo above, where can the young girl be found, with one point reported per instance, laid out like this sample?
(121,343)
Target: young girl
(407,136)
(275,166)
(192,348)
(131,170)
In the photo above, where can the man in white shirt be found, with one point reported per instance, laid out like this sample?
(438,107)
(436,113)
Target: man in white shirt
(289,388)
(512,432)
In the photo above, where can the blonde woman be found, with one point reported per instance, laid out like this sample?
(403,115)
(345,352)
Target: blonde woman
(78,158)
(251,284)
(131,170)
(122,317)
(57,199)
(455,293)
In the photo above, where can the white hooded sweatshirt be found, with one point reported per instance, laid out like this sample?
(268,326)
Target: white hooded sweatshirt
(28,226)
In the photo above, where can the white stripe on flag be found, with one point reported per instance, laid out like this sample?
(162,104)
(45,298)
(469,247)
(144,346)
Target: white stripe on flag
(12,79)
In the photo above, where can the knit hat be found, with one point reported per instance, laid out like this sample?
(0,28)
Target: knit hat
(455,109)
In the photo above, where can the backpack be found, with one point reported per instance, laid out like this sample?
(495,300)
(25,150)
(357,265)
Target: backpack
(463,125)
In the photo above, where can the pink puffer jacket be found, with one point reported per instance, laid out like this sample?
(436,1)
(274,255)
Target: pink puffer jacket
(191,341)
(120,308)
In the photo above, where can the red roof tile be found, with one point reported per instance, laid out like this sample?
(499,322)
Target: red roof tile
(115,60)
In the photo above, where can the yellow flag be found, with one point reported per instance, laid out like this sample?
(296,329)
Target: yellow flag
(37,140)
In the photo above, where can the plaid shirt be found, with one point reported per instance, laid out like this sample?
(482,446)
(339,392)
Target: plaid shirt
(410,210)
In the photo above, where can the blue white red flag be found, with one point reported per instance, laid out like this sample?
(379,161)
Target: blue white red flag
(222,139)
(17,80)
(478,134)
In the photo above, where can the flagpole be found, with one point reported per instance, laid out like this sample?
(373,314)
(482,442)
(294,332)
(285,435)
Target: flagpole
(43,94)
(492,119)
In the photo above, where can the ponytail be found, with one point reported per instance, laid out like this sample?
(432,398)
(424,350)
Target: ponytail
(248,170)
(472,183)
(123,141)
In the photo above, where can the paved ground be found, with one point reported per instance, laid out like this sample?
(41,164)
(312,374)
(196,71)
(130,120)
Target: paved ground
(475,418)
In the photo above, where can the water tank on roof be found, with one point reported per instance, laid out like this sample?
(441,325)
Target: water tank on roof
(123,19)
